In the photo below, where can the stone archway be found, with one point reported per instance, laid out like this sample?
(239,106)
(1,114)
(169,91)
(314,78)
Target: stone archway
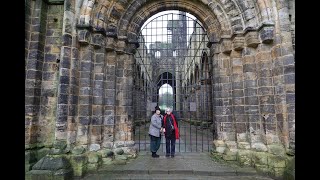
(86,96)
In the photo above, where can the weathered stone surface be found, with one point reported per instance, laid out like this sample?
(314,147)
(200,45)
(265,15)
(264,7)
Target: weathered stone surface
(276,149)
(230,155)
(119,151)
(42,152)
(78,150)
(251,39)
(276,161)
(39,174)
(238,42)
(244,145)
(94,147)
(107,161)
(92,167)
(84,36)
(244,157)
(79,164)
(52,163)
(226,45)
(260,147)
(93,158)
(266,33)
(60,145)
(260,158)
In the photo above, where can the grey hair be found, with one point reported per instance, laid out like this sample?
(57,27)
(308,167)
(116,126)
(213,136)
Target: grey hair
(168,110)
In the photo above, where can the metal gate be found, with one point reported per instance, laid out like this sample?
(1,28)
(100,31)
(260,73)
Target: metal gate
(172,69)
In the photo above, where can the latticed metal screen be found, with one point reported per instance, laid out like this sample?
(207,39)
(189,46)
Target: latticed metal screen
(172,69)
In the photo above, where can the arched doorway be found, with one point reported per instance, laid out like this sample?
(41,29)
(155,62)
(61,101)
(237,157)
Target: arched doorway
(171,47)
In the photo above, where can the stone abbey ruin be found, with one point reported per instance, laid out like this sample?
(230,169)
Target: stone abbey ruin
(95,70)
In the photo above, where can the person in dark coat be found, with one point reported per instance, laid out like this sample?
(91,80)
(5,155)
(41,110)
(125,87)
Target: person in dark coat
(170,124)
(154,132)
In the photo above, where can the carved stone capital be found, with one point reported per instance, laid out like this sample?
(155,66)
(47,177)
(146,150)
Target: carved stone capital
(121,46)
(84,36)
(109,43)
(97,40)
(237,42)
(251,38)
(266,33)
(225,45)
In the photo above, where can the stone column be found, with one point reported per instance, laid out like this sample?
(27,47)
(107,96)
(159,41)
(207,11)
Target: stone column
(222,96)
(283,55)
(98,41)
(124,83)
(239,96)
(53,66)
(85,88)
(251,104)
(109,94)
(35,38)
(239,116)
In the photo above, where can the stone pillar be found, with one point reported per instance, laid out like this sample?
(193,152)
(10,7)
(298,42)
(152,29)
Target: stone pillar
(283,55)
(34,59)
(109,94)
(85,88)
(124,81)
(51,71)
(238,100)
(98,41)
(222,96)
(66,100)
(34,66)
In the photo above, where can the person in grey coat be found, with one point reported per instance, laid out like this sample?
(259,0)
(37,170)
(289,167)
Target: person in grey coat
(154,132)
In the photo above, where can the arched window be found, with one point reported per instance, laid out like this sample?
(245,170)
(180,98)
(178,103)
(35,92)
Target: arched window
(174,53)
(157,54)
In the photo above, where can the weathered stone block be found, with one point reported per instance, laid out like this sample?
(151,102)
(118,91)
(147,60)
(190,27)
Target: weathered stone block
(276,161)
(237,42)
(260,158)
(262,168)
(259,147)
(39,174)
(244,157)
(231,144)
(276,149)
(93,157)
(92,167)
(52,163)
(97,40)
(42,152)
(225,45)
(106,153)
(251,38)
(107,161)
(244,145)
(230,155)
(84,36)
(242,137)
(266,33)
(119,151)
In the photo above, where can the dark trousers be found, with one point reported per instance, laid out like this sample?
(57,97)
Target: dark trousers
(154,143)
(170,145)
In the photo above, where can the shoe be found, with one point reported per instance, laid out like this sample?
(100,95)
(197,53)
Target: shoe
(172,156)
(154,155)
(167,155)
